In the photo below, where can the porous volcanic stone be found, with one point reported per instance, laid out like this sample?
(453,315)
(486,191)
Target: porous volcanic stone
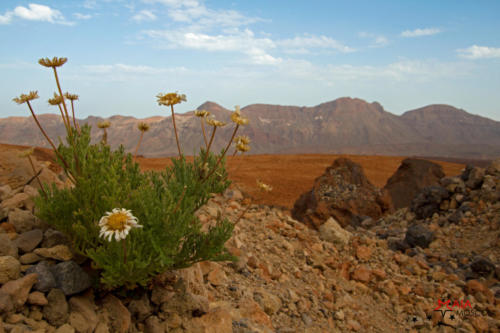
(411,177)
(342,192)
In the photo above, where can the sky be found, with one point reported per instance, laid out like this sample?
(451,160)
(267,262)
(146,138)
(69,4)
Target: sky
(122,53)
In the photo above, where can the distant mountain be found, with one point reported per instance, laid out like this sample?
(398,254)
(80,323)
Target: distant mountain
(345,125)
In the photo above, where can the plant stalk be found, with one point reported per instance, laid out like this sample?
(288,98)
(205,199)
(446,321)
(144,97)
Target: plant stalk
(204,134)
(138,144)
(175,130)
(223,154)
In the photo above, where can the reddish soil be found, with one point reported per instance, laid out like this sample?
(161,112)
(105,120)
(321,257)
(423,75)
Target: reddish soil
(292,175)
(289,175)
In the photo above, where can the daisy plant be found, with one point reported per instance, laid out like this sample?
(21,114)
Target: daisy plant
(132,225)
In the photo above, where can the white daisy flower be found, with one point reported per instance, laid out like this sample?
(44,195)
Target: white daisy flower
(117,223)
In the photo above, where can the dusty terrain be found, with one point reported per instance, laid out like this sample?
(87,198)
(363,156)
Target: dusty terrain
(292,175)
(289,175)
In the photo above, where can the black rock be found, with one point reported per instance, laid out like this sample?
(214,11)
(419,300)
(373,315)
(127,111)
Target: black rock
(70,277)
(46,280)
(427,202)
(482,266)
(418,235)
(397,244)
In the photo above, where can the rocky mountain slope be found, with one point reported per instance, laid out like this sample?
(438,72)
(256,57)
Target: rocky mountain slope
(346,125)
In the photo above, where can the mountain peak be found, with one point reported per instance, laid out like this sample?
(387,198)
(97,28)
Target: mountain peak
(210,106)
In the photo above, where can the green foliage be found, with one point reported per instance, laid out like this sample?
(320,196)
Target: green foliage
(163,202)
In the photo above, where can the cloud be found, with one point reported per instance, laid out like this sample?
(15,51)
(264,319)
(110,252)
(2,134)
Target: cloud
(479,52)
(198,15)
(144,15)
(420,32)
(35,12)
(80,16)
(377,40)
(6,18)
(302,44)
(238,41)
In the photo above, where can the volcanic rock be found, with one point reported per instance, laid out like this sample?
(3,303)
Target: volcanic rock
(428,201)
(342,192)
(411,177)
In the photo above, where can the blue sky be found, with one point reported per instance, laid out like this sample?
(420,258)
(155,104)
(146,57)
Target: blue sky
(403,54)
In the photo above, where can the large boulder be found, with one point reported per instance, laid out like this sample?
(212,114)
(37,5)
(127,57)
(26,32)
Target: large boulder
(411,177)
(344,193)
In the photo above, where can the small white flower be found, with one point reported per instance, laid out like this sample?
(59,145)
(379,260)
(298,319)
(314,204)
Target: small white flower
(117,223)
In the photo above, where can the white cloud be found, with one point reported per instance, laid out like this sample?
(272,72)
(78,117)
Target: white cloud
(124,69)
(376,40)
(479,52)
(35,12)
(238,41)
(301,44)
(198,15)
(6,18)
(144,15)
(420,32)
(80,16)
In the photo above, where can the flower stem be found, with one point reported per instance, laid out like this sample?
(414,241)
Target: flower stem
(208,147)
(138,144)
(175,130)
(66,125)
(51,143)
(124,252)
(204,135)
(77,162)
(74,119)
(223,154)
(62,96)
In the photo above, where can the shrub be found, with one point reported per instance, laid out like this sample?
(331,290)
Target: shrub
(133,225)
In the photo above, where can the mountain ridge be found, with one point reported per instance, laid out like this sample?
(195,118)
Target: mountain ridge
(345,125)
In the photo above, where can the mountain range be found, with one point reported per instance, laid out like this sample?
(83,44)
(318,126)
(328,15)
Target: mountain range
(345,125)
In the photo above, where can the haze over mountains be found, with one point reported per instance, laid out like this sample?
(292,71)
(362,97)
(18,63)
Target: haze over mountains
(345,125)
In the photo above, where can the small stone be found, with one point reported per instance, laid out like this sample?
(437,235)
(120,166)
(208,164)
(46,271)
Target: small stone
(482,266)
(37,298)
(46,280)
(363,253)
(29,258)
(22,220)
(119,316)
(19,289)
(153,325)
(5,192)
(66,328)
(361,274)
(6,304)
(58,252)
(7,247)
(70,277)
(56,311)
(29,240)
(53,237)
(10,269)
(353,325)
(85,307)
(418,235)
(217,277)
(331,231)
(17,201)
(269,302)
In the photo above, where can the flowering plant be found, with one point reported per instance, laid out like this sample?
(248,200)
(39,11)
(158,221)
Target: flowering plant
(130,224)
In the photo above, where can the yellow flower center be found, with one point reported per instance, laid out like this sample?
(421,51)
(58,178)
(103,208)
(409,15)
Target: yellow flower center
(117,221)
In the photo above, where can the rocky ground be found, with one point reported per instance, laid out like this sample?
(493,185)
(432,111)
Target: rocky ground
(386,275)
